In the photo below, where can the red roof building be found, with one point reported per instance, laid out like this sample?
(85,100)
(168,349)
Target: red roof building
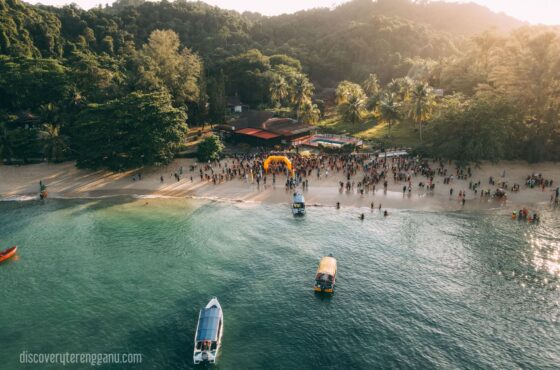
(261,128)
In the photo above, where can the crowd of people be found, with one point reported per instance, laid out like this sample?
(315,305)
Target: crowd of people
(359,174)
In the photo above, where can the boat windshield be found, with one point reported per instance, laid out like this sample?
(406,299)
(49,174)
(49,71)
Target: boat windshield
(324,278)
(299,205)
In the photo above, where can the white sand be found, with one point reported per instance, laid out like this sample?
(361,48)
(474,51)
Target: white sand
(65,180)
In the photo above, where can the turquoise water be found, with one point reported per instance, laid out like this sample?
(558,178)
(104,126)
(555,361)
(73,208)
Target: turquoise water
(416,290)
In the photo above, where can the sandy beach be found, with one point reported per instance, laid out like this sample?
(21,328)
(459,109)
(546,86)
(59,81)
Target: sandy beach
(66,181)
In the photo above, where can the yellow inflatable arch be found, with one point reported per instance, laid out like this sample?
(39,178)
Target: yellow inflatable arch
(278,158)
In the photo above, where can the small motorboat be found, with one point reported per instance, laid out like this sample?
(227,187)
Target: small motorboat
(325,277)
(298,205)
(8,253)
(209,331)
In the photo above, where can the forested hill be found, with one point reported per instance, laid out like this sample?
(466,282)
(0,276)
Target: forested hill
(140,71)
(350,40)
(344,43)
(457,18)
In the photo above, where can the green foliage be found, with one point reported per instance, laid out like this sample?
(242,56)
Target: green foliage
(54,144)
(310,113)
(64,71)
(279,90)
(524,69)
(27,83)
(389,110)
(371,86)
(135,130)
(209,149)
(163,64)
(420,103)
(27,31)
(479,131)
(351,101)
(302,90)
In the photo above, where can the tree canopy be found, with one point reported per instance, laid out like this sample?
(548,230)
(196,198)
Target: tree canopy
(387,57)
(136,130)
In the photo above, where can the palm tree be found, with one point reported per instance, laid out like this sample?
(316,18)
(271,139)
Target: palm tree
(389,109)
(279,90)
(400,87)
(48,112)
(301,93)
(310,113)
(371,85)
(54,144)
(420,105)
(352,110)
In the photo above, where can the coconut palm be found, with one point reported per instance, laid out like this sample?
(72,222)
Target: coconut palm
(353,109)
(54,144)
(420,105)
(279,90)
(49,113)
(371,85)
(345,89)
(400,87)
(301,93)
(389,109)
(310,113)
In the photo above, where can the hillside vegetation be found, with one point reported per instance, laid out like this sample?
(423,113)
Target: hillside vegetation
(69,77)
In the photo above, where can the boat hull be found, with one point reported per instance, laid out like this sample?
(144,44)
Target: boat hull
(298,212)
(326,291)
(8,253)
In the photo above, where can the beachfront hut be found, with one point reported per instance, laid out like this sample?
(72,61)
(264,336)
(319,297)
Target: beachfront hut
(261,128)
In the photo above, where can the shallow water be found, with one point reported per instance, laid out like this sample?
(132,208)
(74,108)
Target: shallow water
(414,290)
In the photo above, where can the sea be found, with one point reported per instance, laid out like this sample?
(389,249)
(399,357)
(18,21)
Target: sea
(415,290)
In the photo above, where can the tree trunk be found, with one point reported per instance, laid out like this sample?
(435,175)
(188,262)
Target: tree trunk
(421,133)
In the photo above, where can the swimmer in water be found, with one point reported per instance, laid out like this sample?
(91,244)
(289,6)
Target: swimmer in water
(362,216)
(385,214)
(337,205)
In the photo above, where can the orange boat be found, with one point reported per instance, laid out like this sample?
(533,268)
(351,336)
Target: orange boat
(8,253)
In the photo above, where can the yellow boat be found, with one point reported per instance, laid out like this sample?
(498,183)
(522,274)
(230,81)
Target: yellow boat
(326,275)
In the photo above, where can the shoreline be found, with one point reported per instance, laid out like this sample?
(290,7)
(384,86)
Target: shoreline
(65,181)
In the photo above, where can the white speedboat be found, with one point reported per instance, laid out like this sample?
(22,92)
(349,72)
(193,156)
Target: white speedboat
(209,330)
(298,204)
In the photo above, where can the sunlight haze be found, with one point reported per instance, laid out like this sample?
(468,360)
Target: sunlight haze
(533,11)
